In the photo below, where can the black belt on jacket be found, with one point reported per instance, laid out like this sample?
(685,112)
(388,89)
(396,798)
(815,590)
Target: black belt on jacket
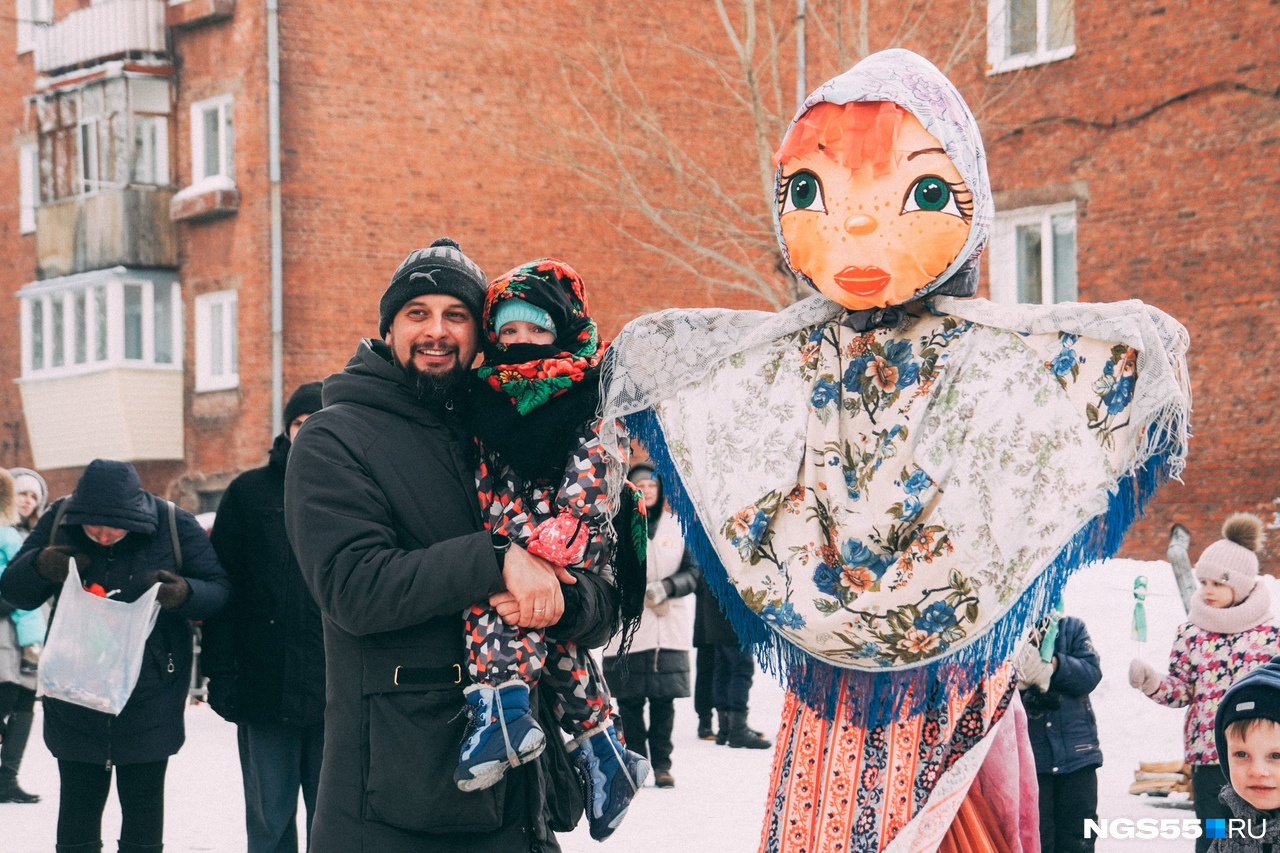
(403,676)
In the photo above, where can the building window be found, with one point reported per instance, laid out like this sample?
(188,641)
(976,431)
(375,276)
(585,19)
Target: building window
(1033,255)
(31,15)
(151,150)
(87,157)
(212,140)
(102,319)
(27,186)
(217,342)
(1028,32)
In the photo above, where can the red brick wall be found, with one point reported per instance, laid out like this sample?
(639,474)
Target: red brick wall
(1168,112)
(227,431)
(17,251)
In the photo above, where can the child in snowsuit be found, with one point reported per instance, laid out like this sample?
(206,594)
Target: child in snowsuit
(1230,633)
(542,483)
(29,625)
(1247,731)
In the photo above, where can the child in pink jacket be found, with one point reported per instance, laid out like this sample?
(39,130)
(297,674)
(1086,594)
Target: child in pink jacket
(1230,633)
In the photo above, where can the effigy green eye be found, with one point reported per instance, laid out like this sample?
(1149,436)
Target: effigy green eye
(932,194)
(803,191)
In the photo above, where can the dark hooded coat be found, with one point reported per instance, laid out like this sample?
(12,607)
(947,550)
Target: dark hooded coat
(1061,722)
(264,654)
(382,511)
(150,727)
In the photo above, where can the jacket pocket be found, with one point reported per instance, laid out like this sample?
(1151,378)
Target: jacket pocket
(413,743)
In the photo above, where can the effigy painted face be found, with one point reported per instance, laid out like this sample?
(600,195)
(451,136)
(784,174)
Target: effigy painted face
(871,208)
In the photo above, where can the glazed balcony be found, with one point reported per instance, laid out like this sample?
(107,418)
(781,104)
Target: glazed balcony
(118,29)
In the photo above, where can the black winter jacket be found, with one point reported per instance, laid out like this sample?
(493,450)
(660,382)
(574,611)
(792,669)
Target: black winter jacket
(711,627)
(1063,729)
(381,509)
(150,727)
(264,653)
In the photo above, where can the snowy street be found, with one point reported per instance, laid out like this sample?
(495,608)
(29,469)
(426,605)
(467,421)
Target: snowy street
(717,805)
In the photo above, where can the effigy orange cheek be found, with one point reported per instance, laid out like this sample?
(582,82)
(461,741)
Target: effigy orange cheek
(874,235)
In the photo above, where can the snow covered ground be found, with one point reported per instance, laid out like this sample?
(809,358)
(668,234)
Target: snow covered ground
(718,803)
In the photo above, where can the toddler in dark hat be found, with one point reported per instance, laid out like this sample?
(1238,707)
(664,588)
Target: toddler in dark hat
(1247,731)
(542,480)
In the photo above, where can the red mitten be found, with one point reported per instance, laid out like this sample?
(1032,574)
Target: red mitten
(561,540)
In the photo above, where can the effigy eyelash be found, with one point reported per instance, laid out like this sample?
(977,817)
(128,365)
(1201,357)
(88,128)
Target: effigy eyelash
(783,186)
(963,198)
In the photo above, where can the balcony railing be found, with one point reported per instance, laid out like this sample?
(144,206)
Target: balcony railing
(114,29)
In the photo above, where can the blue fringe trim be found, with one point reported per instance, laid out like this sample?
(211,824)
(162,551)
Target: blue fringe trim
(876,698)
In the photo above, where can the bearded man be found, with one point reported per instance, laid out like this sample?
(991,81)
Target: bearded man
(382,511)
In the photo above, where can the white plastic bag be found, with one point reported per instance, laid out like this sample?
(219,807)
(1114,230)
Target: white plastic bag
(94,651)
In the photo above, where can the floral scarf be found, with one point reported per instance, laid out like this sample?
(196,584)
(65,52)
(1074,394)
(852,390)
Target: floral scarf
(530,374)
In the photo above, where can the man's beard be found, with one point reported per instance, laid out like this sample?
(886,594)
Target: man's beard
(435,389)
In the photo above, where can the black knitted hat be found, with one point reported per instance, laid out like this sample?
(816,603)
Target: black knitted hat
(1255,696)
(439,268)
(304,401)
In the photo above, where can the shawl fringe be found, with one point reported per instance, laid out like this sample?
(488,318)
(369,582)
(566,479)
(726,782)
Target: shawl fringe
(884,696)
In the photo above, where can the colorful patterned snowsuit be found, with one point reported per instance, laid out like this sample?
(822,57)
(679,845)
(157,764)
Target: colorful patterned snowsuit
(498,652)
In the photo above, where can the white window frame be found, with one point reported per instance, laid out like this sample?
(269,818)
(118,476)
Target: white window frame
(30,15)
(225,105)
(1003,250)
(28,187)
(998,58)
(157,150)
(87,162)
(105,287)
(225,374)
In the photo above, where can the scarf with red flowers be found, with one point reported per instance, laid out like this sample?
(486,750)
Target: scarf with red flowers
(532,374)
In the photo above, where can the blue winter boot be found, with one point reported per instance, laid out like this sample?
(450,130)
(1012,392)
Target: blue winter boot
(611,775)
(502,733)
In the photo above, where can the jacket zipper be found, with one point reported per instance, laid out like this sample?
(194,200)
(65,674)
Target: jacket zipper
(109,744)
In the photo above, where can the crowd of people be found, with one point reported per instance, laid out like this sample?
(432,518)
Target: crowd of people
(448,581)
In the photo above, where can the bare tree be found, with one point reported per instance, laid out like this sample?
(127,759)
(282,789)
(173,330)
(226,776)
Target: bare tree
(710,211)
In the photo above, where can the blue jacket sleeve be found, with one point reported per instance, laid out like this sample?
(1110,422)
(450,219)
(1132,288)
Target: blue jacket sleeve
(21,585)
(1079,667)
(210,585)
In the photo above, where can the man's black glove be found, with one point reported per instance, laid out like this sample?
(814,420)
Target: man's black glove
(174,589)
(54,562)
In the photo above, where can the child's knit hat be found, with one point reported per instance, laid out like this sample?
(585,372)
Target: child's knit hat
(1255,696)
(513,310)
(1233,559)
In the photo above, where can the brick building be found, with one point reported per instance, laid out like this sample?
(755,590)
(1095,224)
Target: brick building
(185,241)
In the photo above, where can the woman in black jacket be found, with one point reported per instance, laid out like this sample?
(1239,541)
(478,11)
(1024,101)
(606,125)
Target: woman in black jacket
(121,538)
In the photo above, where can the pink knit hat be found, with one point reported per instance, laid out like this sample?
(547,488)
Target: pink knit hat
(1233,560)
